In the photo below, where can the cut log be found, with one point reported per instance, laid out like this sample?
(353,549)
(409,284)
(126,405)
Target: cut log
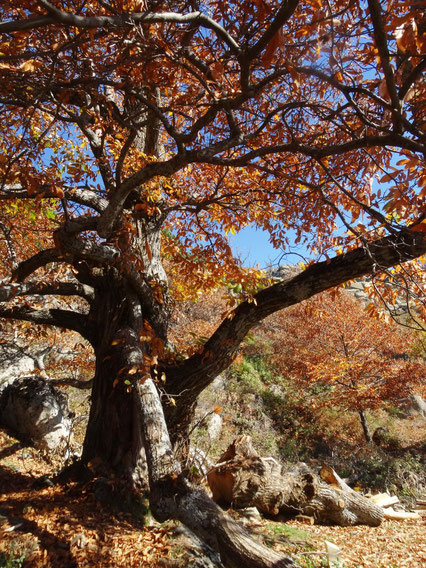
(384,500)
(328,475)
(393,515)
(252,481)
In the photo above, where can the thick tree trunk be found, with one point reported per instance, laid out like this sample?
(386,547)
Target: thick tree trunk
(113,435)
(131,323)
(127,427)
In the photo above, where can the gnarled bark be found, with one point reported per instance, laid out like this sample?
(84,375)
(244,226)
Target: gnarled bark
(113,438)
(245,479)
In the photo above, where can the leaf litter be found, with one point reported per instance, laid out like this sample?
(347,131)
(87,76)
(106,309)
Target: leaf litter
(65,526)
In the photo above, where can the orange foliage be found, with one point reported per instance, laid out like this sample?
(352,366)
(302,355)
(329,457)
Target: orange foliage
(286,126)
(356,361)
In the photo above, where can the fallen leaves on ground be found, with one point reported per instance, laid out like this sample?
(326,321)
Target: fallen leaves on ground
(66,527)
(391,545)
(63,526)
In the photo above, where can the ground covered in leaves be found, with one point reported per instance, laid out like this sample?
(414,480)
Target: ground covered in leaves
(392,545)
(67,526)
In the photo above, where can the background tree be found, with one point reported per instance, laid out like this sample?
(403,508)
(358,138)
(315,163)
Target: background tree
(160,127)
(358,362)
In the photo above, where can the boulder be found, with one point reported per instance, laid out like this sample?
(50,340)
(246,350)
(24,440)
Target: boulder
(214,427)
(37,412)
(414,405)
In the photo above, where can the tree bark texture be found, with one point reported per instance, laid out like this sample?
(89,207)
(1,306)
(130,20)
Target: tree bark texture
(365,428)
(129,317)
(249,480)
(113,435)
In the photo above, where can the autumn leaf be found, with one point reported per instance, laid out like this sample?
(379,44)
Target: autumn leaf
(217,70)
(270,50)
(31,65)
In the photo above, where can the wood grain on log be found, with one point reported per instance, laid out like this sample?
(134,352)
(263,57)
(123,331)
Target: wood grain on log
(252,481)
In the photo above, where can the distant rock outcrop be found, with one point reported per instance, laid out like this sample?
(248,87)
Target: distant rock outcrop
(357,287)
(414,405)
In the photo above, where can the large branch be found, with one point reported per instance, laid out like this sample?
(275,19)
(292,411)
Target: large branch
(211,155)
(10,291)
(380,38)
(27,267)
(150,171)
(119,21)
(196,373)
(281,17)
(26,24)
(66,319)
(326,151)
(70,382)
(82,196)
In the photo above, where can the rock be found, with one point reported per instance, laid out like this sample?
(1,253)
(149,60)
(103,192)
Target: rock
(250,515)
(214,427)
(285,271)
(219,384)
(356,285)
(36,411)
(414,405)
(380,436)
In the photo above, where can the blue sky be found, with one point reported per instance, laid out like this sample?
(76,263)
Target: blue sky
(253,247)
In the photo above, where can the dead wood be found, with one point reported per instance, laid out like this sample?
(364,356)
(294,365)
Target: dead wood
(253,481)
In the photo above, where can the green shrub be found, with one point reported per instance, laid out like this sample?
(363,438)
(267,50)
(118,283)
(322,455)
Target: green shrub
(245,378)
(405,475)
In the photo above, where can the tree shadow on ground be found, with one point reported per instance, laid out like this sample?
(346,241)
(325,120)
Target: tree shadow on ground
(62,526)
(10,450)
